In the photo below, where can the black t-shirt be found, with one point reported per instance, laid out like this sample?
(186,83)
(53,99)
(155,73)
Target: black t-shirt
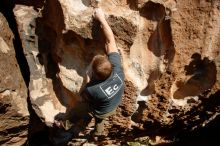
(105,96)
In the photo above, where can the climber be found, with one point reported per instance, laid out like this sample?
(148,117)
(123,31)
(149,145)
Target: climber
(105,80)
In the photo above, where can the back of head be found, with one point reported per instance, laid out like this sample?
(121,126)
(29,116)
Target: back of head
(101,67)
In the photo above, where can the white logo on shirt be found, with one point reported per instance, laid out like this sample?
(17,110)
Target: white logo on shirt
(111,87)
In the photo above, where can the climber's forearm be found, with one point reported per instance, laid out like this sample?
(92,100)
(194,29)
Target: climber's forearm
(87,79)
(110,40)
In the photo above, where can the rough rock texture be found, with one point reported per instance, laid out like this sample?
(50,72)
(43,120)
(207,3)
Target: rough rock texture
(14,115)
(191,79)
(36,44)
(170,54)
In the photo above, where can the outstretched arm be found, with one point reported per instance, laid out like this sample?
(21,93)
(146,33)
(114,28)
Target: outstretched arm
(110,43)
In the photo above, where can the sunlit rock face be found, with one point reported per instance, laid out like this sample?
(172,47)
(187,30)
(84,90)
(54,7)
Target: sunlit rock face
(169,49)
(36,44)
(14,115)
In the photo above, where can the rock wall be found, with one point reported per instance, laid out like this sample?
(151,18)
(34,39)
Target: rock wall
(14,115)
(170,54)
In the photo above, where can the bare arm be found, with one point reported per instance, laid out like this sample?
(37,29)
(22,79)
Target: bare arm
(88,76)
(110,43)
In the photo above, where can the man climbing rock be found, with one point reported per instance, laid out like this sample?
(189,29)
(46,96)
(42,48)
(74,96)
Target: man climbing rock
(102,93)
(105,85)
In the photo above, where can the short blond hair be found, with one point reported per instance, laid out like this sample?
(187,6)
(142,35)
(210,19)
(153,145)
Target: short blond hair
(101,67)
